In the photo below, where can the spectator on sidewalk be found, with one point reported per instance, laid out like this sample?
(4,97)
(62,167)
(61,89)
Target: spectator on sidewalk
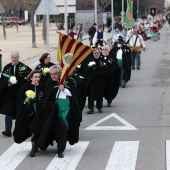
(72,33)
(91,32)
(99,37)
(80,32)
(118,24)
(109,23)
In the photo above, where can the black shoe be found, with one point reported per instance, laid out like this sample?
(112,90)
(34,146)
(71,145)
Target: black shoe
(138,68)
(133,68)
(109,104)
(5,133)
(36,149)
(100,110)
(91,111)
(60,155)
(32,153)
(43,148)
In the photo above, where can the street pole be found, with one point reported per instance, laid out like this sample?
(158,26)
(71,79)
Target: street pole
(65,17)
(122,12)
(95,10)
(47,27)
(112,11)
(137,9)
(132,10)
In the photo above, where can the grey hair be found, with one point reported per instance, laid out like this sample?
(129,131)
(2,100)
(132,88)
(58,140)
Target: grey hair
(107,47)
(58,67)
(15,52)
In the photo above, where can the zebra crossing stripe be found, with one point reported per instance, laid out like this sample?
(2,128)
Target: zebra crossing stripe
(72,156)
(13,156)
(123,156)
(167,154)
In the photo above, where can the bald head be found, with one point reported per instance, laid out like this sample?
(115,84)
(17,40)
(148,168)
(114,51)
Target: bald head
(14,57)
(105,50)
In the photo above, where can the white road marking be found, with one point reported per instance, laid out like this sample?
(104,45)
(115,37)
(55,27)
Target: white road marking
(127,126)
(123,156)
(167,154)
(72,156)
(12,157)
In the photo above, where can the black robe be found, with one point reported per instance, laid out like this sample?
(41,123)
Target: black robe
(79,89)
(28,120)
(126,57)
(96,79)
(49,127)
(8,94)
(112,78)
(44,78)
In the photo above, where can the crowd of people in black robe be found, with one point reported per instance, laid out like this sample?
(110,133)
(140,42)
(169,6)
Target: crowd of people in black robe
(48,111)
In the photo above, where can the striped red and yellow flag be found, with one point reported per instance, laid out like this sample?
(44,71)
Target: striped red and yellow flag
(79,50)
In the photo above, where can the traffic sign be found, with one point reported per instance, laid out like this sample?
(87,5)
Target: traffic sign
(52,8)
(2,10)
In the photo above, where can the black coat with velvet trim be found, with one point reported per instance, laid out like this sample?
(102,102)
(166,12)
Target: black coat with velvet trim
(48,132)
(113,77)
(96,78)
(126,57)
(28,121)
(8,94)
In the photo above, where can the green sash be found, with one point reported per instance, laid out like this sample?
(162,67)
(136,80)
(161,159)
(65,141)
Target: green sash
(63,109)
(120,61)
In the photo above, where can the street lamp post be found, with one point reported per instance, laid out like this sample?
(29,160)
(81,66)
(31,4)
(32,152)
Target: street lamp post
(112,11)
(65,17)
(95,10)
(122,12)
(137,9)
(47,26)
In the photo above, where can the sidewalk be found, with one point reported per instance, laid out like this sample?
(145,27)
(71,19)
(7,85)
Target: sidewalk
(22,42)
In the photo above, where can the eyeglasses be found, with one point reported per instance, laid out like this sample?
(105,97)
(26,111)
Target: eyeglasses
(55,74)
(95,53)
(104,49)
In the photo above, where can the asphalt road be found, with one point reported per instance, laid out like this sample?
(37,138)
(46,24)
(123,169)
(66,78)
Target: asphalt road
(133,134)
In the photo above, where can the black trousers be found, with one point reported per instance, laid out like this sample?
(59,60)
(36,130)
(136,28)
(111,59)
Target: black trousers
(62,136)
(99,103)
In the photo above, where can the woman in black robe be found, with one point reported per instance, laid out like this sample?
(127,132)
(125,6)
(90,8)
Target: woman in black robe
(44,63)
(28,118)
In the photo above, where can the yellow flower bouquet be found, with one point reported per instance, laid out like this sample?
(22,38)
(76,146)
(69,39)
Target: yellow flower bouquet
(46,71)
(30,99)
(30,94)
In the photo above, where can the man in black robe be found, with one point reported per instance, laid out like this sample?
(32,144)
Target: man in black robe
(95,83)
(113,75)
(12,78)
(56,126)
(123,53)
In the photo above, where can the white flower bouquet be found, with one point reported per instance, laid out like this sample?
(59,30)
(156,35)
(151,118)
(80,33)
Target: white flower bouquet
(92,65)
(12,80)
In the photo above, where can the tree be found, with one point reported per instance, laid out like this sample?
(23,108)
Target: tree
(31,6)
(6,4)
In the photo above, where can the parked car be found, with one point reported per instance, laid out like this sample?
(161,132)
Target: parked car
(15,20)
